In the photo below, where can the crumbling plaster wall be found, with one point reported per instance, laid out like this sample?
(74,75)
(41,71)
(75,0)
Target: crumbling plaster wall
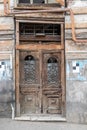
(76,64)
(7,96)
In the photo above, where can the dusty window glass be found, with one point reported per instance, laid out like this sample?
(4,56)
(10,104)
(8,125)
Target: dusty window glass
(30,69)
(24,1)
(35,29)
(52,1)
(37,1)
(52,70)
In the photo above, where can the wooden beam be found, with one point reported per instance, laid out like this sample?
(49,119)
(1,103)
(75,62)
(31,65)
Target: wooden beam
(17,73)
(63,84)
(38,21)
(62,34)
(27,38)
(39,47)
(41,15)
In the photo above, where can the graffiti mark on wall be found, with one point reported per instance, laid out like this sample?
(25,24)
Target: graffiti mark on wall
(5,70)
(77,70)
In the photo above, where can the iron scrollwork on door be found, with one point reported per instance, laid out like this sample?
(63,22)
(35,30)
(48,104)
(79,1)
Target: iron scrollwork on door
(52,71)
(30,69)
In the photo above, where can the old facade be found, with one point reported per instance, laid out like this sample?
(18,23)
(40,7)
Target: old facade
(43,60)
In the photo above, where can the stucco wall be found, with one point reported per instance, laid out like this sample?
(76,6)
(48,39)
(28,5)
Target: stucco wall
(7,96)
(76,90)
(76,65)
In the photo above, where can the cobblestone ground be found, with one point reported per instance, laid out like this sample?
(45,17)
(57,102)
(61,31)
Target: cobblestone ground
(8,124)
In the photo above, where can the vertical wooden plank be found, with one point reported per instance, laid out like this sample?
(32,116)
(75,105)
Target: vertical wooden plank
(63,83)
(17,72)
(63,73)
(62,34)
(41,95)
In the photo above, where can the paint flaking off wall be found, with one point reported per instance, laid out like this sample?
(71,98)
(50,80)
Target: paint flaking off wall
(77,70)
(5,70)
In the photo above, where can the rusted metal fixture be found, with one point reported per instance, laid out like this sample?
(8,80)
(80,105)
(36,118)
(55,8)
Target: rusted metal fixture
(61,2)
(7,12)
(41,11)
(73,29)
(6,7)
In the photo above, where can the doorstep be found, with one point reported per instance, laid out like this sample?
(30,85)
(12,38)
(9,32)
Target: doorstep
(41,117)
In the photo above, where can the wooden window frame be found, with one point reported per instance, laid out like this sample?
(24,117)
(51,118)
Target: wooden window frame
(31,2)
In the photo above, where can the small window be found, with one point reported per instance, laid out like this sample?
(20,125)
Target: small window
(37,1)
(24,1)
(40,32)
(38,29)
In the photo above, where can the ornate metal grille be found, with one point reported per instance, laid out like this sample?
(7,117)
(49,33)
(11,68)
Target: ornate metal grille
(52,70)
(30,70)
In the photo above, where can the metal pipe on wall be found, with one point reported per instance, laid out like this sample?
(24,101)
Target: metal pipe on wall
(7,12)
(73,29)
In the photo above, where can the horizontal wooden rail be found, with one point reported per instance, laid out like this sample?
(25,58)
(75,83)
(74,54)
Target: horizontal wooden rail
(39,47)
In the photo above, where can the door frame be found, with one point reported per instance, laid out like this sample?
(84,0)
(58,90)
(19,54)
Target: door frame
(60,48)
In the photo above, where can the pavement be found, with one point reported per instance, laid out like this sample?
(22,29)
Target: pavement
(9,124)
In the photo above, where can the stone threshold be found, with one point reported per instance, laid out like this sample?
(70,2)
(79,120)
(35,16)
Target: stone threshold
(41,117)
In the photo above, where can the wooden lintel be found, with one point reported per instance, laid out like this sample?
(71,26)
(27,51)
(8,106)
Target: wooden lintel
(39,47)
(38,21)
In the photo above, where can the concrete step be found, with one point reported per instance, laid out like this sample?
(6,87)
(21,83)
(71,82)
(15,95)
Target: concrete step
(41,117)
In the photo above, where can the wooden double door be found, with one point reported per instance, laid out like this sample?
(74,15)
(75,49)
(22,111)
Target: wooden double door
(40,84)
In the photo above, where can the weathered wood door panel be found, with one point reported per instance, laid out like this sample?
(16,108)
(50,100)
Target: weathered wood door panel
(52,91)
(29,82)
(40,82)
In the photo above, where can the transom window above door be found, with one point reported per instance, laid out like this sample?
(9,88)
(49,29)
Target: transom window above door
(39,32)
(37,1)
